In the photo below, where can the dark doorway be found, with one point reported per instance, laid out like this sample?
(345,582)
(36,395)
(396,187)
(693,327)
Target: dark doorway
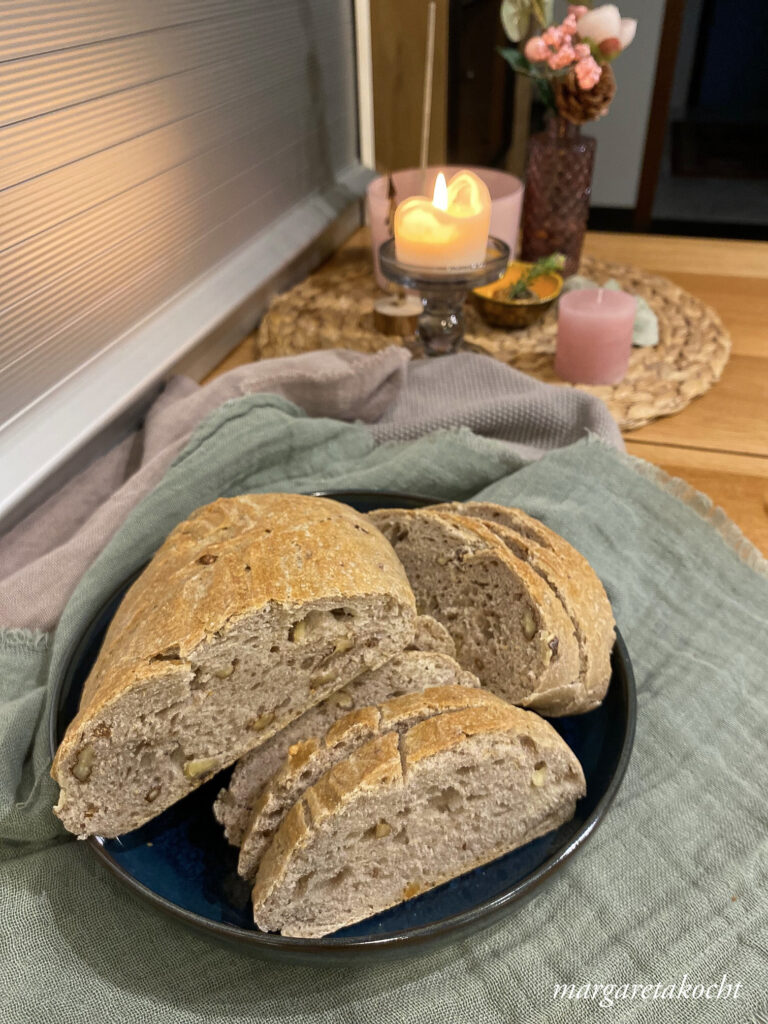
(712,175)
(480,85)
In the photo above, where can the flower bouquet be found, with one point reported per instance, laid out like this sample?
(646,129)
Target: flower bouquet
(570,64)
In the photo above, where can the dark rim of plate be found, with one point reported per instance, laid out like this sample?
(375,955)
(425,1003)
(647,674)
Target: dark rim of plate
(487,910)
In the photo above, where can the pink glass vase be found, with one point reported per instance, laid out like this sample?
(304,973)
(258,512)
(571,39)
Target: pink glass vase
(558,185)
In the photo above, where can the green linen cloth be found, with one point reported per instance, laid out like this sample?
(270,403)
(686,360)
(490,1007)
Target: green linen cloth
(671,889)
(645,332)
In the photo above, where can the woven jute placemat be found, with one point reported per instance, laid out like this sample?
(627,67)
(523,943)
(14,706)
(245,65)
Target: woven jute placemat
(334,309)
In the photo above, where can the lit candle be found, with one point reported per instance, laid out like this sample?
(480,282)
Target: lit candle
(594,335)
(448,231)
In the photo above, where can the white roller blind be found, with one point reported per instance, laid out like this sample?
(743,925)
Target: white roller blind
(143,143)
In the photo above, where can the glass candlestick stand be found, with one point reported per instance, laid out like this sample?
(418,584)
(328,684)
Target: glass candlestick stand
(443,292)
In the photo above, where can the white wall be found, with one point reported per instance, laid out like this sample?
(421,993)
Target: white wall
(621,133)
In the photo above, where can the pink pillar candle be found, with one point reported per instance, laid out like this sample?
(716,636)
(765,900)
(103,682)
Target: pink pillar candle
(594,335)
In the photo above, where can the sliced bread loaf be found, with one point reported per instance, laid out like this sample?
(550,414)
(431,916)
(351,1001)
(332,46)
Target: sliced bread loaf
(509,627)
(577,586)
(311,758)
(253,610)
(405,813)
(406,672)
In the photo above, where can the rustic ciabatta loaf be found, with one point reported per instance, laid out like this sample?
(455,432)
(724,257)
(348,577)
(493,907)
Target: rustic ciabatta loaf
(509,626)
(311,758)
(254,609)
(408,671)
(402,814)
(577,585)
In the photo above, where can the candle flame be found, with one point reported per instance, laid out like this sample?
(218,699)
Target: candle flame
(440,196)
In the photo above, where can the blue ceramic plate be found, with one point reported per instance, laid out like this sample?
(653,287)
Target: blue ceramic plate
(182,864)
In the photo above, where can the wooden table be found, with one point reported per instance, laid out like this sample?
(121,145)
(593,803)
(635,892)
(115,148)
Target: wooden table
(719,443)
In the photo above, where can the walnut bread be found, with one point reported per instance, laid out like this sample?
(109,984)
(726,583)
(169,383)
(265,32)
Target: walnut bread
(253,610)
(408,811)
(311,758)
(510,626)
(576,585)
(408,671)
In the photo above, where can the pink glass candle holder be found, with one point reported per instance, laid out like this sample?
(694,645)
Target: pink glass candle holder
(594,335)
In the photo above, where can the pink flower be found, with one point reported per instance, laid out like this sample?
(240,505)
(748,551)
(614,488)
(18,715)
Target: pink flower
(577,10)
(553,36)
(561,58)
(582,50)
(569,25)
(588,73)
(536,49)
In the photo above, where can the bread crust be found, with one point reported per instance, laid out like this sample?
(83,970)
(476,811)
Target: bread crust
(237,804)
(308,757)
(383,764)
(443,732)
(229,559)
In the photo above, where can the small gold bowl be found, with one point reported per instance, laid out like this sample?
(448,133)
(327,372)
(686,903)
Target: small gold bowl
(502,312)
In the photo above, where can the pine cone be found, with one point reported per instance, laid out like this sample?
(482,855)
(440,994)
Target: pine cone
(579,105)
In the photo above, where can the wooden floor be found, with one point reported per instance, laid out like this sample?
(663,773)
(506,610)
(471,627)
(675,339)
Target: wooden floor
(719,444)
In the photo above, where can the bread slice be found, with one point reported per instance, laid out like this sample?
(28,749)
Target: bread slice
(311,758)
(253,610)
(577,586)
(509,627)
(406,672)
(432,635)
(403,814)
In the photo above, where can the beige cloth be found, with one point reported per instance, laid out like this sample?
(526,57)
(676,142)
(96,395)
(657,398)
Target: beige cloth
(43,557)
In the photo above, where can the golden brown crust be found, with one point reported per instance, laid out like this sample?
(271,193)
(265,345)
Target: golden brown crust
(379,763)
(298,757)
(365,719)
(443,732)
(434,700)
(361,725)
(377,719)
(375,763)
(300,753)
(230,558)
(255,773)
